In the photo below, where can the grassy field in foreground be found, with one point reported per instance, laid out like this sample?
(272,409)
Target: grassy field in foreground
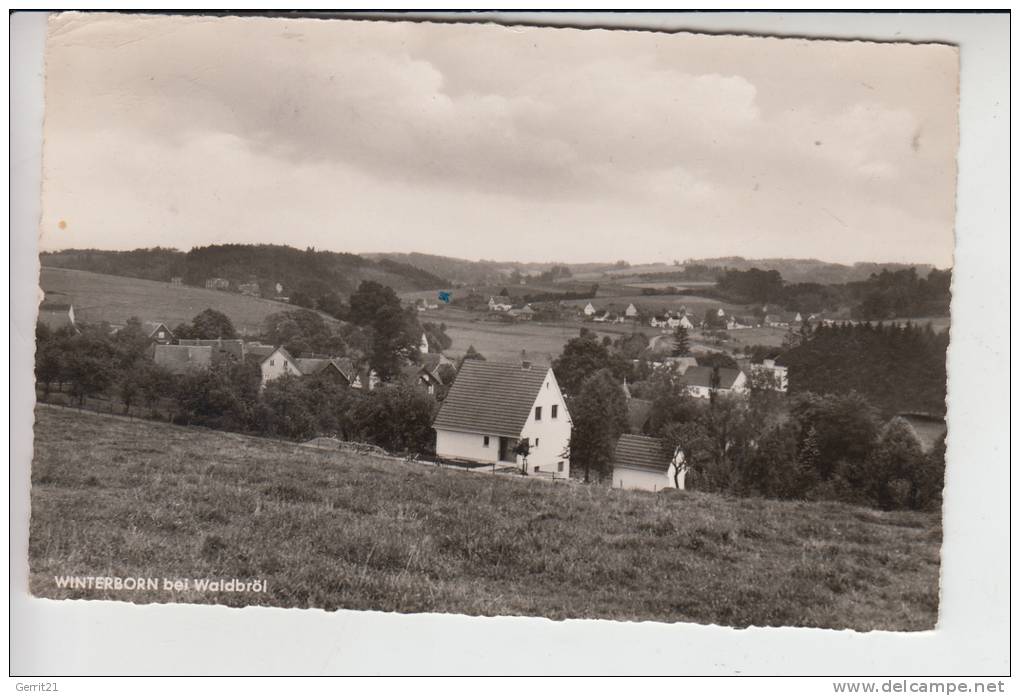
(113,497)
(99,297)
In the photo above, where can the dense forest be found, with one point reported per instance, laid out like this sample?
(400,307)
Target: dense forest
(310,272)
(899,368)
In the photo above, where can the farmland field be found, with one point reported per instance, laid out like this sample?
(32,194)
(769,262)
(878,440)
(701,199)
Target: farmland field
(333,530)
(114,299)
(504,342)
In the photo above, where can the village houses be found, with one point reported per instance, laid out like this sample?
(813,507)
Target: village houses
(499,305)
(494,407)
(646,463)
(281,363)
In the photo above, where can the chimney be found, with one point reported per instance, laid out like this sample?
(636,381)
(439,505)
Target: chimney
(525,363)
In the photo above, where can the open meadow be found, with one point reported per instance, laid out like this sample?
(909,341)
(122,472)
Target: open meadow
(99,297)
(335,530)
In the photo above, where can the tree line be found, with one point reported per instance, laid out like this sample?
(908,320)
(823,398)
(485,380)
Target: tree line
(94,362)
(380,335)
(825,443)
(888,294)
(898,368)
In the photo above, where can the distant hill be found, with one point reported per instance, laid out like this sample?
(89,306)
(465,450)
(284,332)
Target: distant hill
(458,271)
(809,270)
(484,271)
(114,299)
(310,271)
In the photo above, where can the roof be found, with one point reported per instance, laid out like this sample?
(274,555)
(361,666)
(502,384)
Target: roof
(311,366)
(231,346)
(701,376)
(283,352)
(491,398)
(181,359)
(260,350)
(638,412)
(640,452)
(346,367)
(152,327)
(55,317)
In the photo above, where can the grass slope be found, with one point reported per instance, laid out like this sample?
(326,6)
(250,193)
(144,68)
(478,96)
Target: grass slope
(331,530)
(99,297)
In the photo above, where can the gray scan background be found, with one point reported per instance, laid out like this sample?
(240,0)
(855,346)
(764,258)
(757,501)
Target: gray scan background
(972,638)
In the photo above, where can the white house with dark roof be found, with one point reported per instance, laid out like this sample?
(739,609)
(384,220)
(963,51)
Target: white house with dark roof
(499,305)
(278,364)
(646,463)
(158,331)
(698,380)
(492,407)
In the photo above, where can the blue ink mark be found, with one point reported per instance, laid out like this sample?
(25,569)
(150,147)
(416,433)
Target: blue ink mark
(444,296)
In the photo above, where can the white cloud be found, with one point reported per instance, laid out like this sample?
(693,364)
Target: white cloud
(253,127)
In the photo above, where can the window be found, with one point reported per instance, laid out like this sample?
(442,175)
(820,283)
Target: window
(559,466)
(538,413)
(485,440)
(272,363)
(555,411)
(536,469)
(284,363)
(536,443)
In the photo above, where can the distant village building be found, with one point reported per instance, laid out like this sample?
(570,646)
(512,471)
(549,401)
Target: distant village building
(698,380)
(631,312)
(734,323)
(217,284)
(158,331)
(278,364)
(776,375)
(281,363)
(177,282)
(181,360)
(279,289)
(493,407)
(645,463)
(427,374)
(499,305)
(423,345)
(589,310)
(57,315)
(423,305)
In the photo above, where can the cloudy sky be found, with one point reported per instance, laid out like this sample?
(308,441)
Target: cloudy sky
(481,141)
